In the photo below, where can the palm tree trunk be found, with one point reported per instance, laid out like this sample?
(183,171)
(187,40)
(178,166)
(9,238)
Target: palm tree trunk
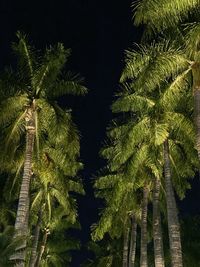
(172,214)
(125,248)
(143,244)
(42,248)
(21,223)
(132,249)
(196,90)
(35,240)
(157,232)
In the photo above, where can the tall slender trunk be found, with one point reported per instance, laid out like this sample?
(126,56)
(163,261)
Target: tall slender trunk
(196,90)
(21,223)
(143,244)
(172,214)
(125,247)
(42,248)
(132,249)
(35,240)
(157,232)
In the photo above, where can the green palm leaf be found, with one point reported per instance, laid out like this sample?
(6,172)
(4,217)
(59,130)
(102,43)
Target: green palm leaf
(162,14)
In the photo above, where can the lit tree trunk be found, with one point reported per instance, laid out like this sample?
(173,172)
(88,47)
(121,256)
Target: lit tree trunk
(21,223)
(157,232)
(35,240)
(43,246)
(172,214)
(132,249)
(125,248)
(196,90)
(143,245)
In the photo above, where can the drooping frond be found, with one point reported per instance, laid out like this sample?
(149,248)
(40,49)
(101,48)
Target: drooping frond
(116,131)
(8,245)
(180,123)
(136,61)
(174,90)
(160,133)
(50,68)
(165,61)
(14,133)
(47,118)
(161,14)
(107,181)
(120,202)
(76,187)
(133,102)
(192,39)
(70,85)
(181,168)
(137,161)
(130,143)
(11,107)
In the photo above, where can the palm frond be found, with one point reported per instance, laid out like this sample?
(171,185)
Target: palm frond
(107,181)
(11,107)
(50,68)
(192,39)
(25,55)
(132,103)
(70,85)
(164,13)
(161,132)
(173,92)
(165,61)
(15,131)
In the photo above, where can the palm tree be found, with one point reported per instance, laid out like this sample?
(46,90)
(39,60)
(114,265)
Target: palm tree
(122,185)
(29,112)
(152,65)
(121,204)
(156,16)
(52,191)
(54,248)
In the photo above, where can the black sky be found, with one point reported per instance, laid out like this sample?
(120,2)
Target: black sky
(97,32)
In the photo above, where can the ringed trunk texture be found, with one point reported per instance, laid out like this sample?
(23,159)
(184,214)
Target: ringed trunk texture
(21,223)
(172,214)
(35,240)
(143,243)
(132,249)
(125,247)
(157,231)
(196,91)
(42,248)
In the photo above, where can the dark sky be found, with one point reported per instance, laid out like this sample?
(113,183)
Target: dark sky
(97,32)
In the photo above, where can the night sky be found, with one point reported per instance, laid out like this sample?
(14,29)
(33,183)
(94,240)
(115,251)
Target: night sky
(98,32)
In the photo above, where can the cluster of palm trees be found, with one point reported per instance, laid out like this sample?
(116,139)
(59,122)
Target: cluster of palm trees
(152,148)
(153,144)
(41,145)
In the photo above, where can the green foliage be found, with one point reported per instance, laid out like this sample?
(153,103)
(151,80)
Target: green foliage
(107,253)
(32,89)
(163,14)
(8,245)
